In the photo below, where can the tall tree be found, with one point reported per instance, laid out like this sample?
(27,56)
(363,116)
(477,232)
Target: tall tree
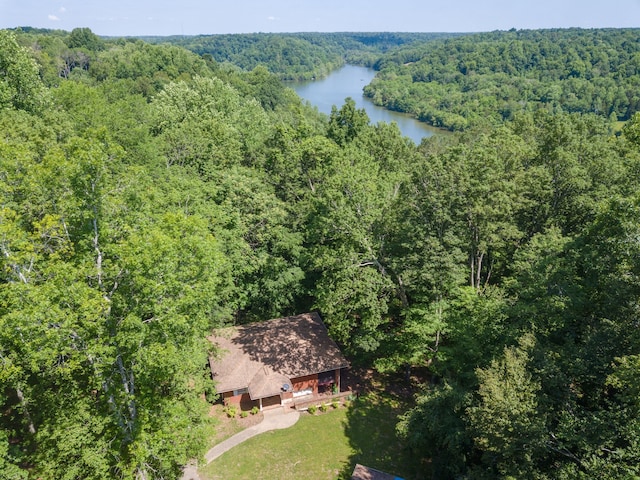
(20,84)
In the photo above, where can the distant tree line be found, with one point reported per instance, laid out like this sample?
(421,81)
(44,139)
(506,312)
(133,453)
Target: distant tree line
(297,56)
(459,82)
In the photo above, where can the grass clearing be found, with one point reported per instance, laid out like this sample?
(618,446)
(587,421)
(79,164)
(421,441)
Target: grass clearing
(323,446)
(226,427)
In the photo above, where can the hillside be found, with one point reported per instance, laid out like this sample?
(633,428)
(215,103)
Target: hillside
(149,194)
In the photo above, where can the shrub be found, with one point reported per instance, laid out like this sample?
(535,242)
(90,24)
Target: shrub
(335,404)
(244,414)
(255,410)
(312,409)
(323,408)
(231,411)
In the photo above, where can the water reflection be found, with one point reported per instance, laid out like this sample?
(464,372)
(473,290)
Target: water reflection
(349,82)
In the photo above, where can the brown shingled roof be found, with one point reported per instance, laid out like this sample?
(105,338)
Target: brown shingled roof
(367,473)
(262,356)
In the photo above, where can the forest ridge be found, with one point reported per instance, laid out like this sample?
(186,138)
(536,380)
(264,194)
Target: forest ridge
(153,190)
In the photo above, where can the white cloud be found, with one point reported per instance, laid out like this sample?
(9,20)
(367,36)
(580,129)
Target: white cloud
(53,18)
(271,18)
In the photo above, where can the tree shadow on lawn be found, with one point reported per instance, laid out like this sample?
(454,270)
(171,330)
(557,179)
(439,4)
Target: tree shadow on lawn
(370,426)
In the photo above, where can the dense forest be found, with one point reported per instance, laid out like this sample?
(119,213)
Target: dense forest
(298,56)
(149,194)
(463,81)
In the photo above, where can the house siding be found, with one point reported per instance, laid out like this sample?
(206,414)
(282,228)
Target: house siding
(243,401)
(303,383)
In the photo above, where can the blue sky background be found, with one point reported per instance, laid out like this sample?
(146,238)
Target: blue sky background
(190,17)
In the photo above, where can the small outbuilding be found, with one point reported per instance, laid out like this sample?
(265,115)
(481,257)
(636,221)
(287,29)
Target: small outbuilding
(360,472)
(274,362)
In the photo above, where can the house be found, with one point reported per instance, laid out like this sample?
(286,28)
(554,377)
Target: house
(367,473)
(274,362)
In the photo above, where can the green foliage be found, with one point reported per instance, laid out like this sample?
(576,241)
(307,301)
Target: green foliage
(231,411)
(564,273)
(20,84)
(85,38)
(296,56)
(9,469)
(631,130)
(312,409)
(506,425)
(435,429)
(207,124)
(489,77)
(164,194)
(347,123)
(151,66)
(354,288)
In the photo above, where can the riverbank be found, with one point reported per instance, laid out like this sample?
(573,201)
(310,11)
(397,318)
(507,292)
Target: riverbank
(349,81)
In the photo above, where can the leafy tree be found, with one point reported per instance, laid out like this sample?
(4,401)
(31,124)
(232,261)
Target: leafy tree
(345,124)
(506,425)
(354,288)
(434,429)
(99,300)
(20,84)
(208,124)
(85,38)
(260,241)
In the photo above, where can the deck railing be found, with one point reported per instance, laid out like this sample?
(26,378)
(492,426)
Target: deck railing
(303,403)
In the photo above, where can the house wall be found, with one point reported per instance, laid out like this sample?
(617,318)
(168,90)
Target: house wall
(286,397)
(302,383)
(243,400)
(229,397)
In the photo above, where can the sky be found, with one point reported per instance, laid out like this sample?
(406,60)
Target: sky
(192,17)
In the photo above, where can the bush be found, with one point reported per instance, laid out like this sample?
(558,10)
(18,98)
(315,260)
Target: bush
(255,411)
(312,409)
(323,408)
(231,410)
(244,414)
(335,404)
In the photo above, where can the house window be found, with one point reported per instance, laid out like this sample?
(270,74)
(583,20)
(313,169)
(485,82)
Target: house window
(326,378)
(240,392)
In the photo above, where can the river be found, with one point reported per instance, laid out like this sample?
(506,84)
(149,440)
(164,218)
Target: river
(349,81)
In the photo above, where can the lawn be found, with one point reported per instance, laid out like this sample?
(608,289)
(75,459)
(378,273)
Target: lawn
(323,446)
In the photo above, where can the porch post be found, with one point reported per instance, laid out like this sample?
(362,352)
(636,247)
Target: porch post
(260,404)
